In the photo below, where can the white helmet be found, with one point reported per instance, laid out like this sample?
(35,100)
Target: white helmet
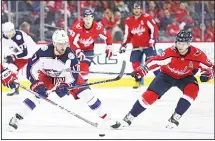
(60,36)
(8,28)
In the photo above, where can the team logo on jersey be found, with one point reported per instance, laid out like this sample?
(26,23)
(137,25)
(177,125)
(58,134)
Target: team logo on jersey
(44,48)
(191,64)
(139,30)
(86,42)
(18,37)
(71,56)
(52,73)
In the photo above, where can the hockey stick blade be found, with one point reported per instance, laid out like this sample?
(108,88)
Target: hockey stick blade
(104,81)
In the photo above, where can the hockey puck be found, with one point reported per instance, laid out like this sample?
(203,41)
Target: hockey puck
(101,135)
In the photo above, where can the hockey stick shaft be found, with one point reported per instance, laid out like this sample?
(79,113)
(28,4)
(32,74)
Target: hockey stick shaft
(99,72)
(133,49)
(104,81)
(59,106)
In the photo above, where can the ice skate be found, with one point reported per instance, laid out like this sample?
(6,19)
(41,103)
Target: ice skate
(15,91)
(112,123)
(14,122)
(173,121)
(127,120)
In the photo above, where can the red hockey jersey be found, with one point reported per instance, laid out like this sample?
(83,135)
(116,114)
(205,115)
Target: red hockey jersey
(140,31)
(81,38)
(177,66)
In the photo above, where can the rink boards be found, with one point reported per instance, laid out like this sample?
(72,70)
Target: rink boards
(100,63)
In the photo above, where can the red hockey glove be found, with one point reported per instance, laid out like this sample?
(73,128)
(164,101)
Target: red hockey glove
(108,51)
(8,78)
(140,72)
(206,75)
(122,49)
(80,54)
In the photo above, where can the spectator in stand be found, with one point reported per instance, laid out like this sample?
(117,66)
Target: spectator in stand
(152,8)
(173,28)
(122,7)
(99,10)
(211,27)
(26,28)
(108,20)
(166,20)
(181,12)
(196,32)
(152,13)
(117,33)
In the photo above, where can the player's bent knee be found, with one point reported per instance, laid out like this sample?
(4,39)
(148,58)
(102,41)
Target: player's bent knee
(148,98)
(191,91)
(88,97)
(29,103)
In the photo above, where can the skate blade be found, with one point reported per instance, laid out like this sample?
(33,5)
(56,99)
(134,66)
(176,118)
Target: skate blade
(171,126)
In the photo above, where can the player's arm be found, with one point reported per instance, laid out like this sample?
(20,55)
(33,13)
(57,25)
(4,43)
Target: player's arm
(206,67)
(126,38)
(31,46)
(154,62)
(73,41)
(106,36)
(33,68)
(153,29)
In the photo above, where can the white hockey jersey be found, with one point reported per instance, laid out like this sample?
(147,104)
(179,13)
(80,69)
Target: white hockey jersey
(21,45)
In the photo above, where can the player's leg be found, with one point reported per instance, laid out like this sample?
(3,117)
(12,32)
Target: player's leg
(149,52)
(86,94)
(30,103)
(156,89)
(189,87)
(85,64)
(135,59)
(15,66)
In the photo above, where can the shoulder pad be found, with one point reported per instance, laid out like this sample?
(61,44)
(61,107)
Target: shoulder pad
(71,56)
(44,48)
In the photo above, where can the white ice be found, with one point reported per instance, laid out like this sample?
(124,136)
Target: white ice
(49,122)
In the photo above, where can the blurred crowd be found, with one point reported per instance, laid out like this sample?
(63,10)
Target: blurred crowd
(170,16)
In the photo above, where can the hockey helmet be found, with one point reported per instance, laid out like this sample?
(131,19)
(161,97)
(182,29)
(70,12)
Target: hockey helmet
(8,29)
(184,36)
(137,5)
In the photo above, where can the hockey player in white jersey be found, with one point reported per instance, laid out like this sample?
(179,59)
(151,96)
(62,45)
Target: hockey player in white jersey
(46,69)
(17,48)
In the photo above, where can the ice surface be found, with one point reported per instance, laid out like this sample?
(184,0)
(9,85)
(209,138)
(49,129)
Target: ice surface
(49,122)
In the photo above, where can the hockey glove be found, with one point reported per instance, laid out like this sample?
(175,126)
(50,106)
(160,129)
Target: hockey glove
(206,75)
(62,89)
(39,87)
(8,78)
(108,51)
(139,72)
(10,59)
(122,49)
(80,54)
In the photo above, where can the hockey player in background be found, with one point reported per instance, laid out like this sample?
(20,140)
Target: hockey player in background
(17,48)
(46,69)
(142,31)
(82,39)
(178,64)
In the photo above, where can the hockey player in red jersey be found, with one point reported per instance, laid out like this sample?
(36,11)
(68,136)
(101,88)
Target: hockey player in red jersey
(178,65)
(82,38)
(142,31)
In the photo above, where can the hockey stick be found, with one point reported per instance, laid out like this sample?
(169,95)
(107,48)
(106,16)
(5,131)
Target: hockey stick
(104,81)
(59,106)
(100,72)
(133,49)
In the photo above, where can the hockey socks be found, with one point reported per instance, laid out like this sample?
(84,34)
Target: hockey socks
(182,106)
(137,109)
